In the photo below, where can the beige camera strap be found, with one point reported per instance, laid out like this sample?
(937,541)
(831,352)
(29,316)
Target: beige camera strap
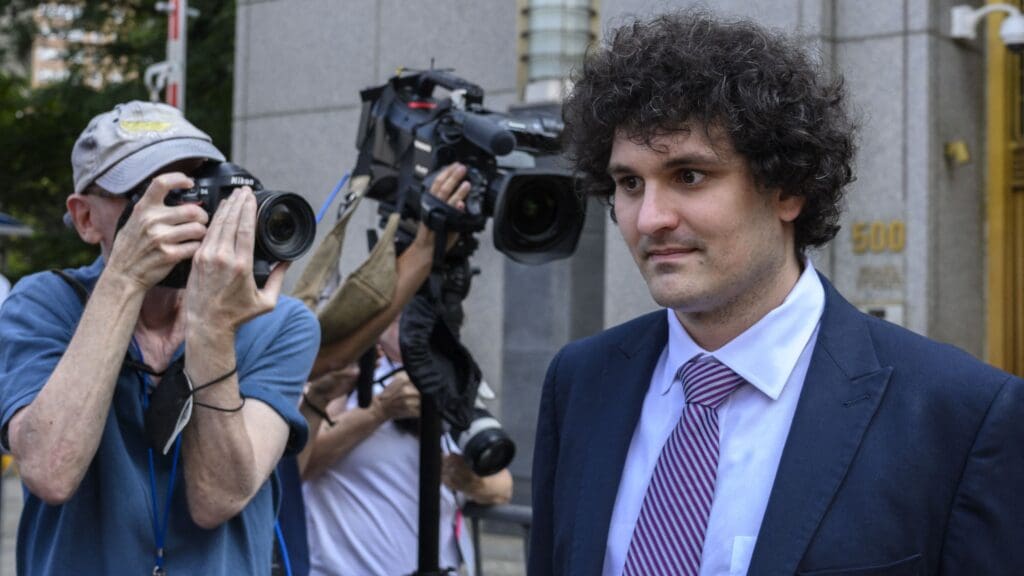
(323,263)
(365,292)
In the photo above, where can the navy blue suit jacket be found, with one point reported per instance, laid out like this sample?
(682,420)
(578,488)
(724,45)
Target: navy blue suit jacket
(905,456)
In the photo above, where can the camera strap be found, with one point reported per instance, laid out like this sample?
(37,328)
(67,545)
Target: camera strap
(436,279)
(160,520)
(437,362)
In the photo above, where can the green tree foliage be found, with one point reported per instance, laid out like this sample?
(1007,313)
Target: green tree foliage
(38,127)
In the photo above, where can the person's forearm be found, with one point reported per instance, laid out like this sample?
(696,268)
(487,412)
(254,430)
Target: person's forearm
(55,438)
(412,269)
(491,490)
(314,421)
(333,443)
(224,464)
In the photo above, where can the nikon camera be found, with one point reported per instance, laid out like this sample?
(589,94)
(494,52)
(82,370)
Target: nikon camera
(285,223)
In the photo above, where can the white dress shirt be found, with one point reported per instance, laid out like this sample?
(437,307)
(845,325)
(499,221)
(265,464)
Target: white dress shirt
(772,356)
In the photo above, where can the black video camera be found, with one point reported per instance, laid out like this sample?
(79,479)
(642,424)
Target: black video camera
(285,223)
(406,136)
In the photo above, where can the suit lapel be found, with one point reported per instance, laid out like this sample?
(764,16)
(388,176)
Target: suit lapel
(842,391)
(615,402)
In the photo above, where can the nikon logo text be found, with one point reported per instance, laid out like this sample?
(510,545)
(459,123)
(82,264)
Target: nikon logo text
(242,181)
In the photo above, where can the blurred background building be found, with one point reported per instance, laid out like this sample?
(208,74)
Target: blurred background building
(56,30)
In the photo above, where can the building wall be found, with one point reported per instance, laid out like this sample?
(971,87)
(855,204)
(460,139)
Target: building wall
(301,63)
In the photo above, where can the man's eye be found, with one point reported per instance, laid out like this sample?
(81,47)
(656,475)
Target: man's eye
(629,183)
(691,177)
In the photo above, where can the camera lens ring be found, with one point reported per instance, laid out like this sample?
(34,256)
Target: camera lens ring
(489,451)
(285,225)
(485,445)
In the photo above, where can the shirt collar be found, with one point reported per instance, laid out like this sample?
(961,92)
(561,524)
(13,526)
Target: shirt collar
(766,353)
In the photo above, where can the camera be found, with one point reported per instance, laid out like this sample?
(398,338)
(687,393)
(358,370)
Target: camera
(1011,31)
(406,135)
(285,222)
(484,444)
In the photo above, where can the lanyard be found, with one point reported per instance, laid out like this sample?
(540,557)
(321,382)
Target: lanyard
(159,528)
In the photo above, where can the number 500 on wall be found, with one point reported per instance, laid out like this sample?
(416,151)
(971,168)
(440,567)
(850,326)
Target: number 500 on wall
(878,236)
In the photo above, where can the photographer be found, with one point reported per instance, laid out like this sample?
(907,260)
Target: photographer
(334,370)
(84,358)
(362,477)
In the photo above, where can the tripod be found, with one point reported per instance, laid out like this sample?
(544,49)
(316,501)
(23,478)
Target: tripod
(440,367)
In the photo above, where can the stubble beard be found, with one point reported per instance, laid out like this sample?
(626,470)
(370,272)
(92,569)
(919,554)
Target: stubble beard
(702,296)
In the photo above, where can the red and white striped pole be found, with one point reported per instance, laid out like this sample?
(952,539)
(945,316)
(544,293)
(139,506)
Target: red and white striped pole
(177,50)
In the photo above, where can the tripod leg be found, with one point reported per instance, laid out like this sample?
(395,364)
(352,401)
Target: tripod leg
(430,487)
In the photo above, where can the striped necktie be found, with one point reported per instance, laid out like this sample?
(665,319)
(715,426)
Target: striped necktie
(669,535)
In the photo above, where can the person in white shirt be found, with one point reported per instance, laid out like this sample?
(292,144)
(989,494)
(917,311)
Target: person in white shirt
(361,482)
(759,424)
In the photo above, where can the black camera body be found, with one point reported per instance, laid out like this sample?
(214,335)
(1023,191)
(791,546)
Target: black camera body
(285,222)
(406,135)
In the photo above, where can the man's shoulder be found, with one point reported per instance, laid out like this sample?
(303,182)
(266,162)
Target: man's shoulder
(45,294)
(930,372)
(288,311)
(289,326)
(649,329)
(49,282)
(293,307)
(913,357)
(928,359)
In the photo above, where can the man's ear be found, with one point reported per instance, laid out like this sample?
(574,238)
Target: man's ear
(788,207)
(81,215)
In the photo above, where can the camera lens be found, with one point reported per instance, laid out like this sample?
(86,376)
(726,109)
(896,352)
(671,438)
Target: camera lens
(491,452)
(285,225)
(534,210)
(281,224)
(538,215)
(485,445)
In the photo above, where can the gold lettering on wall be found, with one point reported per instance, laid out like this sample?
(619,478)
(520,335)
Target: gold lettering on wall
(879,278)
(878,236)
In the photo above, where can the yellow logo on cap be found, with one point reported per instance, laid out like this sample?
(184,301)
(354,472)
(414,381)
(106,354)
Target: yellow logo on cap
(145,125)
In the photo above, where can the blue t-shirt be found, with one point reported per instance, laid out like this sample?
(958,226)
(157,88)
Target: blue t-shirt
(107,526)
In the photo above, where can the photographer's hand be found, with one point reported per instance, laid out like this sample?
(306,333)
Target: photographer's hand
(228,453)
(489,490)
(156,237)
(221,289)
(324,395)
(334,384)
(450,187)
(400,399)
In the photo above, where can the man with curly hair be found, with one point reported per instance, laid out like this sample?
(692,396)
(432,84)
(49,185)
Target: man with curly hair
(760,424)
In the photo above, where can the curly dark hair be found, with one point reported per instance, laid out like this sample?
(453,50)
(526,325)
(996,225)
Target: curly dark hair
(760,88)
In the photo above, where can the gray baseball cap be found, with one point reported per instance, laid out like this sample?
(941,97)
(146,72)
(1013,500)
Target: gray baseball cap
(121,148)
